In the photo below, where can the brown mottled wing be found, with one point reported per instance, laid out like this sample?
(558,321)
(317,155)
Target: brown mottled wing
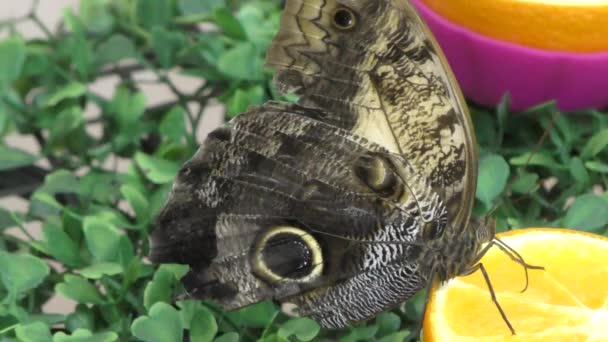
(278,166)
(354,169)
(385,80)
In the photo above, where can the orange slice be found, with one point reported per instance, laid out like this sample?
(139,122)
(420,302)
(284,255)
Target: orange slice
(568,301)
(564,25)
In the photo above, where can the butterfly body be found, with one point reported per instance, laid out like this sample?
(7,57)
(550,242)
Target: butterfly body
(348,202)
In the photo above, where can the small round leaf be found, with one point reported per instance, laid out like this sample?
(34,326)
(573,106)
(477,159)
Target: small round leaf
(163,324)
(304,329)
(493,174)
(588,212)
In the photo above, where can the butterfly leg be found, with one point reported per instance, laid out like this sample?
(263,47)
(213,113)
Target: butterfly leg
(516,257)
(415,334)
(486,277)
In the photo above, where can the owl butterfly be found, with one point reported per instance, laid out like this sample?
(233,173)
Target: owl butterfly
(348,202)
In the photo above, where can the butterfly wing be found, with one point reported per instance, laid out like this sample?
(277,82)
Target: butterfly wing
(326,204)
(384,79)
(280,205)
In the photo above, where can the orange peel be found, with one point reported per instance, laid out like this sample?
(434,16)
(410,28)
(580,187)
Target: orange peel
(562,25)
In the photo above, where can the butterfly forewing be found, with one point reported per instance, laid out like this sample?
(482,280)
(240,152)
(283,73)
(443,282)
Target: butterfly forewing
(344,203)
(383,79)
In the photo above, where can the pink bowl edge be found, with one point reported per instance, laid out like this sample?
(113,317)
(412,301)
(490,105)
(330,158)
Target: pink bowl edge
(487,68)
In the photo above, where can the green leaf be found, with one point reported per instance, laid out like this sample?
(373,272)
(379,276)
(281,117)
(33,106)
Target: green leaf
(33,332)
(273,338)
(303,328)
(69,91)
(493,174)
(79,289)
(387,323)
(81,318)
(152,13)
(6,121)
(242,62)
(159,197)
(365,333)
(47,319)
(84,335)
(596,144)
(229,24)
(96,15)
(157,170)
(76,47)
(99,187)
(588,212)
(60,245)
(109,215)
(6,219)
(228,337)
(178,271)
(203,326)
(60,181)
(21,272)
(502,113)
(255,316)
(187,309)
(486,131)
(137,201)
(160,288)
(525,182)
(102,239)
(579,172)
(396,337)
(115,49)
(597,166)
(237,103)
(127,107)
(173,125)
(163,324)
(113,316)
(97,271)
(8,322)
(538,158)
(44,205)
(67,122)
(205,7)
(38,59)
(167,45)
(125,251)
(12,58)
(414,307)
(11,158)
(549,106)
(241,99)
(259,23)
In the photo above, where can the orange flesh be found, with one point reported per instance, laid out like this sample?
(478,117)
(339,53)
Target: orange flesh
(566,301)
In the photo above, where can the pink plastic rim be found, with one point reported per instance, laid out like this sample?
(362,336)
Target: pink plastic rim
(487,68)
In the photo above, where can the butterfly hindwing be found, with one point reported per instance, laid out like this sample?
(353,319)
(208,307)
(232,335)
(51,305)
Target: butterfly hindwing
(256,211)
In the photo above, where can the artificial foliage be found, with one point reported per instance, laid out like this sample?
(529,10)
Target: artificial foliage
(95,217)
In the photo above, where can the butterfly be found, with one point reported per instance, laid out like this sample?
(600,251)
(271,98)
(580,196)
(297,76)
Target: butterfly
(348,202)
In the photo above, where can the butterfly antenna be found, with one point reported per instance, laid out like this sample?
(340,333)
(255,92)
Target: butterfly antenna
(522,168)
